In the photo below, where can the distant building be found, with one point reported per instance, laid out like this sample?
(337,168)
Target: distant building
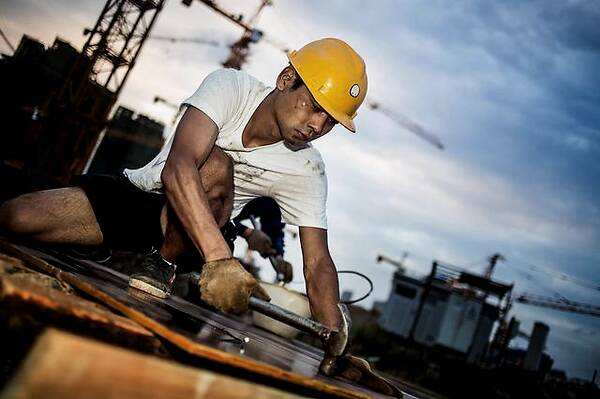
(559,376)
(537,344)
(346,296)
(131,141)
(379,307)
(517,358)
(362,317)
(41,132)
(401,307)
(454,312)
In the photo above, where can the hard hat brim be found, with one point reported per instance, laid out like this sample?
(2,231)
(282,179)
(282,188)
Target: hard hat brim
(342,118)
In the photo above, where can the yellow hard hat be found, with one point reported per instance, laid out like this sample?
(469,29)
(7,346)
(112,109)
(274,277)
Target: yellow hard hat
(335,75)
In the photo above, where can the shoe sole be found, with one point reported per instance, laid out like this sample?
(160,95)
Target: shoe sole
(147,288)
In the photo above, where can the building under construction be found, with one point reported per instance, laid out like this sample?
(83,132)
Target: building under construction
(39,132)
(130,141)
(449,308)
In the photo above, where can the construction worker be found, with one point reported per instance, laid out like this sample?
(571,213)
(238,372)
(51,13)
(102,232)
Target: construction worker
(236,140)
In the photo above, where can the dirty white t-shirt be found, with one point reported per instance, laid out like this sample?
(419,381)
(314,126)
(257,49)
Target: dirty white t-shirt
(295,179)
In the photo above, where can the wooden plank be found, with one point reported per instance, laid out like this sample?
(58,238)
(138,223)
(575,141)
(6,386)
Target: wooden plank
(192,348)
(65,366)
(31,301)
(21,293)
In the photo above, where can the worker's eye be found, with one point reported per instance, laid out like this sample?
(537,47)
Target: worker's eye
(317,108)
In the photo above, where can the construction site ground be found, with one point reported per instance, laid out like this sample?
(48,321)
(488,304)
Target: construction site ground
(94,302)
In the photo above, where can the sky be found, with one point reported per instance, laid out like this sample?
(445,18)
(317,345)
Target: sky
(511,88)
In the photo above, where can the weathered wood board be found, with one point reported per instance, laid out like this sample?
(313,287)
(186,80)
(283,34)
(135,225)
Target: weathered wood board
(66,366)
(25,290)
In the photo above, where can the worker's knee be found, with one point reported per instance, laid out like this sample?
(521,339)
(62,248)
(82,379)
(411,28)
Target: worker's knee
(20,216)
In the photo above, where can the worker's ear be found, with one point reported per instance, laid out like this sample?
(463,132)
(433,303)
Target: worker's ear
(286,78)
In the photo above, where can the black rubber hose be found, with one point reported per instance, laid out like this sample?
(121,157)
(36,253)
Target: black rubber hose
(364,277)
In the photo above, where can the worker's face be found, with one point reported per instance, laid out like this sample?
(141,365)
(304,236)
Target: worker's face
(299,116)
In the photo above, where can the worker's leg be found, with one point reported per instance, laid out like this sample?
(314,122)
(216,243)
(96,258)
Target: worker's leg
(156,274)
(60,216)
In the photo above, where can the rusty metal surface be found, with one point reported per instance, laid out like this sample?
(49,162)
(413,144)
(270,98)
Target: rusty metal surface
(231,334)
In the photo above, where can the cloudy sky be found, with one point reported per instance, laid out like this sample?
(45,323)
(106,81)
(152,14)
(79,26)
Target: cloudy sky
(513,91)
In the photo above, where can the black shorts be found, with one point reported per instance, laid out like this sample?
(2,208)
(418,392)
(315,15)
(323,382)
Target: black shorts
(128,216)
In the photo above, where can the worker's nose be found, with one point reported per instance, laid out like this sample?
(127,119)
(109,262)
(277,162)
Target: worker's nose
(317,123)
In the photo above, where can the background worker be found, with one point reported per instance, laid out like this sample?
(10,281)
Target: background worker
(268,240)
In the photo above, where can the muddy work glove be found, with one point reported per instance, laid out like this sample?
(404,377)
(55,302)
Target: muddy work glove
(225,285)
(261,243)
(284,269)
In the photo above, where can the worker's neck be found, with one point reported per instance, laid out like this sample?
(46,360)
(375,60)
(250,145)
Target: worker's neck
(262,128)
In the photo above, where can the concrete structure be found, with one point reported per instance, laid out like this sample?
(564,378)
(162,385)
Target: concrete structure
(131,141)
(537,343)
(400,309)
(459,322)
(46,136)
(454,311)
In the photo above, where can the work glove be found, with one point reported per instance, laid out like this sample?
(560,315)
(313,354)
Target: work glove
(225,285)
(284,269)
(261,243)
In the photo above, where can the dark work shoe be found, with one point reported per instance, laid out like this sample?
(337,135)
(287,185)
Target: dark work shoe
(155,275)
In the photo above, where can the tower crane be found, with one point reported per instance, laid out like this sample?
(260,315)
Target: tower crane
(562,304)
(240,49)
(195,40)
(406,123)
(507,331)
(8,43)
(399,264)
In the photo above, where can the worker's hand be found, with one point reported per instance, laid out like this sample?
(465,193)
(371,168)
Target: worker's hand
(337,343)
(225,285)
(359,371)
(283,269)
(260,242)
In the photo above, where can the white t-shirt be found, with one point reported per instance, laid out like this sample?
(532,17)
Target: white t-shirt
(295,179)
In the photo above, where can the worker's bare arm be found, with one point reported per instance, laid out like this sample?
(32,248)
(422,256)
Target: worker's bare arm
(194,140)
(321,277)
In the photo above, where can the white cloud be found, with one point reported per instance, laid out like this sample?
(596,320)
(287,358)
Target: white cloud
(450,196)
(577,142)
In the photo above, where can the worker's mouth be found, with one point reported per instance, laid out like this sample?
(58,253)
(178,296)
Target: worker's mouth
(302,137)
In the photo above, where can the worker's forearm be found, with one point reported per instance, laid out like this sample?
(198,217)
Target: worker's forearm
(188,199)
(323,292)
